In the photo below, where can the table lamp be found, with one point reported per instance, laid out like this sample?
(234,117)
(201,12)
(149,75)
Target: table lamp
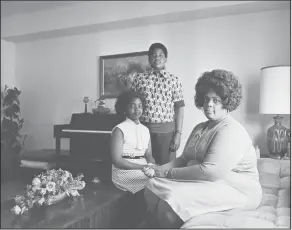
(275,99)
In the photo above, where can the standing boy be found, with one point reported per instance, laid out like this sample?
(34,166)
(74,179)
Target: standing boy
(164,104)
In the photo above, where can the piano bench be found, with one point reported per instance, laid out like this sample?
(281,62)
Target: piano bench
(34,162)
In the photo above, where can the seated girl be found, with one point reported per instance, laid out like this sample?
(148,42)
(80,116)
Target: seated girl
(130,145)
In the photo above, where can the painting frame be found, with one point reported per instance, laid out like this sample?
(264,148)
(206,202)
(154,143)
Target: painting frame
(113,66)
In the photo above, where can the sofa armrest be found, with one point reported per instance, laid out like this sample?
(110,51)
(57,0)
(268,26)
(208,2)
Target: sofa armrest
(280,168)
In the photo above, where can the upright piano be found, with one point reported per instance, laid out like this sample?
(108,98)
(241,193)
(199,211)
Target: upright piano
(89,136)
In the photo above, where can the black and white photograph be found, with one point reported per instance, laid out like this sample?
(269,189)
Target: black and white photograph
(145,114)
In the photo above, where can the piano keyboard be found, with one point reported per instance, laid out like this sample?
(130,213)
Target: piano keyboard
(85,131)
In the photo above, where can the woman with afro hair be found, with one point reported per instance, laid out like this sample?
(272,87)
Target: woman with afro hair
(217,170)
(130,145)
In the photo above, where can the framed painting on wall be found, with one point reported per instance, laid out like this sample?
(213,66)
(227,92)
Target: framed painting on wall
(117,72)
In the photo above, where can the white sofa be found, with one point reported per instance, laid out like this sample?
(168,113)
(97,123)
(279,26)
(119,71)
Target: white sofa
(274,210)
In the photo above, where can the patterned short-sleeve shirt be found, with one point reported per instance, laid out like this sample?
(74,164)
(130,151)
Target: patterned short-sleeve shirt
(162,91)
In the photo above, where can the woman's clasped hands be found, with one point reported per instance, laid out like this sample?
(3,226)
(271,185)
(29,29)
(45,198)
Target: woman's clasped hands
(152,170)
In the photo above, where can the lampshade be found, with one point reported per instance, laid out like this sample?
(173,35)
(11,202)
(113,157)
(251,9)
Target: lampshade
(275,90)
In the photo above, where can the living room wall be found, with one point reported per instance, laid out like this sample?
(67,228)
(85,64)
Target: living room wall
(55,74)
(7,64)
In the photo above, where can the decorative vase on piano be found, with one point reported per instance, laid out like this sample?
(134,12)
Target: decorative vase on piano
(100,108)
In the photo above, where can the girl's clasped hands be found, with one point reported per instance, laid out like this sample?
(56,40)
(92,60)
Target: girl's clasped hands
(149,170)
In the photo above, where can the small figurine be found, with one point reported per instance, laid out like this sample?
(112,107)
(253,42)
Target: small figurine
(95,180)
(85,100)
(96,183)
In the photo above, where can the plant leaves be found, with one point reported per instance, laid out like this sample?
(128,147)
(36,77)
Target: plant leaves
(11,123)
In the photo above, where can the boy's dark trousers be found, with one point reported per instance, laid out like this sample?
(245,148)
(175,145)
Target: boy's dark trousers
(160,147)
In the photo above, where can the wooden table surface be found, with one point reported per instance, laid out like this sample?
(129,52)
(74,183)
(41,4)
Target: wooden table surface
(102,207)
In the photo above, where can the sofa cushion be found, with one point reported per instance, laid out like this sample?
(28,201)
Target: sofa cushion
(273,211)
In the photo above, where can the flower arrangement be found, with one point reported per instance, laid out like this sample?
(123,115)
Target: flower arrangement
(46,187)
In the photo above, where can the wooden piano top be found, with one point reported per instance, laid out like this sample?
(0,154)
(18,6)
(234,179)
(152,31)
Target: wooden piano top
(88,124)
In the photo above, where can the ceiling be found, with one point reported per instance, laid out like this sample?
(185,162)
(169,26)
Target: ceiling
(19,33)
(10,8)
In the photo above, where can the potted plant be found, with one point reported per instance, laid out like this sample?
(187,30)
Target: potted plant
(11,123)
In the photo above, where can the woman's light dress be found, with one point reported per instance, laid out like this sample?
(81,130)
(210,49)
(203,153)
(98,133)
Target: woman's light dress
(225,149)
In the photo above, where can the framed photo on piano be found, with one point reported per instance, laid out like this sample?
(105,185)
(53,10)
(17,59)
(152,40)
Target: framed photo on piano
(117,72)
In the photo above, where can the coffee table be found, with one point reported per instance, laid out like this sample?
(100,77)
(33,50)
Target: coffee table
(103,207)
